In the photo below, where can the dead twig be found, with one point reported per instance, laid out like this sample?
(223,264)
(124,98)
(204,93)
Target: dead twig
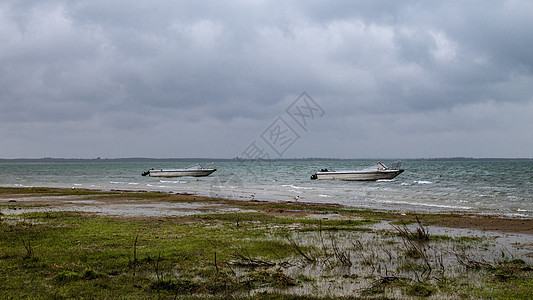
(310,258)
(342,257)
(245,259)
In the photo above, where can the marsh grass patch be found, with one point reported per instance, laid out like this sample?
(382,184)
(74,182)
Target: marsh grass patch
(267,254)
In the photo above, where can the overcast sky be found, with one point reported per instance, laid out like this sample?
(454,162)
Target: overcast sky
(220,79)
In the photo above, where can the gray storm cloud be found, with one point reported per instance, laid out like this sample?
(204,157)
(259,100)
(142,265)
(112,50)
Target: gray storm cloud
(206,78)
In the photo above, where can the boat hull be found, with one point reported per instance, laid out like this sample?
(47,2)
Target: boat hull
(358,175)
(180,173)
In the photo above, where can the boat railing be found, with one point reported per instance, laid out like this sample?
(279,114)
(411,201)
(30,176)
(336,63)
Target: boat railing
(395,165)
(194,167)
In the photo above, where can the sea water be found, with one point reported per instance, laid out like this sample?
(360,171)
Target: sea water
(495,187)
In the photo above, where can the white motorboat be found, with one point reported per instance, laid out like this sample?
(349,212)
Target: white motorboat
(194,171)
(371,173)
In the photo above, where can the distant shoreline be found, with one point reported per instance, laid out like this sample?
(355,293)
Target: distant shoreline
(205,160)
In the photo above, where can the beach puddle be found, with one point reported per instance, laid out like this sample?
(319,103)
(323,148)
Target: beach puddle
(340,264)
(121,208)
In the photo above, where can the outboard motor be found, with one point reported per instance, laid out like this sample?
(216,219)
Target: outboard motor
(145,173)
(313,177)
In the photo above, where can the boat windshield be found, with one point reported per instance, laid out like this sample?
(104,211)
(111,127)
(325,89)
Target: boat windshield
(382,166)
(378,166)
(195,167)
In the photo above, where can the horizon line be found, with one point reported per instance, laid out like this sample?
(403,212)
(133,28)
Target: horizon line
(250,159)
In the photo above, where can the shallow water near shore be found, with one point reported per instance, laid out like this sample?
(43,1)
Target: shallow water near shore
(473,186)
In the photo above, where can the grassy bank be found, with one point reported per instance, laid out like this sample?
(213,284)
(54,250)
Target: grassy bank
(296,250)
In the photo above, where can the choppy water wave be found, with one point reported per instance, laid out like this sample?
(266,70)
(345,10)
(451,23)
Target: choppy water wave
(488,187)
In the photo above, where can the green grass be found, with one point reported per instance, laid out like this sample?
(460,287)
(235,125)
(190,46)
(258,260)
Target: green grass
(511,279)
(65,253)
(234,255)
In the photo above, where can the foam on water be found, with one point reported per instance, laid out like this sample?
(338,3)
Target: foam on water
(453,207)
(173,181)
(486,187)
(422,182)
(298,187)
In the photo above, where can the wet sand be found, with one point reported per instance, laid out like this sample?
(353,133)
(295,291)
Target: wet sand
(117,207)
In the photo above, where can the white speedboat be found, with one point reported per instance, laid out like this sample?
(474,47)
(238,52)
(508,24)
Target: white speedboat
(194,171)
(374,172)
